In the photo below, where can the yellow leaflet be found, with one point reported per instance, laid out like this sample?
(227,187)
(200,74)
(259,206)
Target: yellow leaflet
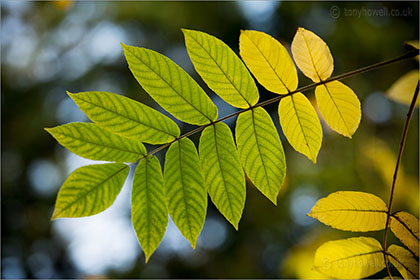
(404,261)
(268,61)
(351,258)
(312,55)
(414,44)
(354,211)
(339,106)
(301,125)
(402,90)
(406,228)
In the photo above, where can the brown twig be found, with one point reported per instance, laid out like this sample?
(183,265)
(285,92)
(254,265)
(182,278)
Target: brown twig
(375,66)
(394,178)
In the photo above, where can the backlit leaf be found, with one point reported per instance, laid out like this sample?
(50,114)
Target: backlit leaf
(414,44)
(221,69)
(149,212)
(339,106)
(351,258)
(301,125)
(402,90)
(92,142)
(90,190)
(261,151)
(222,171)
(406,228)
(126,117)
(269,61)
(404,262)
(170,86)
(185,191)
(353,211)
(312,55)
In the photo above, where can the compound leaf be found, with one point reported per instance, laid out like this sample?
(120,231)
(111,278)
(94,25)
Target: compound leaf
(90,190)
(339,106)
(406,228)
(351,258)
(353,211)
(221,69)
(92,142)
(261,151)
(269,61)
(312,55)
(402,90)
(222,171)
(186,194)
(301,125)
(170,86)
(149,212)
(126,117)
(404,262)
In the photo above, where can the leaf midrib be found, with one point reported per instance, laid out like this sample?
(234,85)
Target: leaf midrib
(403,265)
(350,210)
(221,171)
(339,112)
(180,95)
(91,190)
(269,64)
(183,191)
(98,144)
(405,225)
(126,117)
(310,55)
(300,125)
(221,70)
(259,151)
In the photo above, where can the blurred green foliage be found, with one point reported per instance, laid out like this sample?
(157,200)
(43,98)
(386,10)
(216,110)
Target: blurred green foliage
(50,47)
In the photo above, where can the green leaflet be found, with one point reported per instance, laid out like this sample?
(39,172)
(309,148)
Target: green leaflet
(222,171)
(185,191)
(221,69)
(90,190)
(170,86)
(92,142)
(149,212)
(261,151)
(126,117)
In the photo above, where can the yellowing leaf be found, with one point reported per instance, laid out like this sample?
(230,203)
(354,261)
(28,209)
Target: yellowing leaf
(93,142)
(312,55)
(404,262)
(90,190)
(170,86)
(301,125)
(223,172)
(261,151)
(149,213)
(221,69)
(353,211)
(269,61)
(351,258)
(339,106)
(406,228)
(402,90)
(414,44)
(185,191)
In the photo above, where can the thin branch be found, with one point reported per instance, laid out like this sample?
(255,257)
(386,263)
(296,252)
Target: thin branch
(375,66)
(397,165)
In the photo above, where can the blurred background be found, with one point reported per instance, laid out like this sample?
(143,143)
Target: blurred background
(50,47)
